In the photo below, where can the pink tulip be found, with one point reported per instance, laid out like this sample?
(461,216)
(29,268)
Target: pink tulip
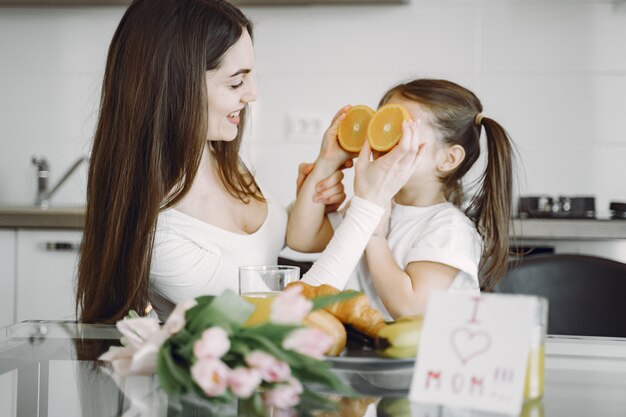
(211,375)
(176,320)
(145,338)
(120,358)
(137,331)
(290,307)
(213,344)
(243,381)
(270,368)
(308,341)
(284,395)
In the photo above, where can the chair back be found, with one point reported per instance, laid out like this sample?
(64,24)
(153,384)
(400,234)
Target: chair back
(586,294)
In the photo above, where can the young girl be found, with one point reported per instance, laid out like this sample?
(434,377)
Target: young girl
(427,241)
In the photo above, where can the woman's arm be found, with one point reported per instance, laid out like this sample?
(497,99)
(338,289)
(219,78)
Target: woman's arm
(308,229)
(182,270)
(404,292)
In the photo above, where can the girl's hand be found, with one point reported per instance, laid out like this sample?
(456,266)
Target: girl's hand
(332,155)
(379,180)
(329,191)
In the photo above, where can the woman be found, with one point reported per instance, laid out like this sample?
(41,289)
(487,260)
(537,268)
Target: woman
(171,210)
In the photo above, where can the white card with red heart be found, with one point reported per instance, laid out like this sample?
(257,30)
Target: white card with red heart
(474,351)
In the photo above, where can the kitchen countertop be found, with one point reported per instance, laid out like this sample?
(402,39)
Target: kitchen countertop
(14,217)
(568,229)
(18,217)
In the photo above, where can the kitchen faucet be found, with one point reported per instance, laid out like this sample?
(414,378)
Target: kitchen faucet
(43,171)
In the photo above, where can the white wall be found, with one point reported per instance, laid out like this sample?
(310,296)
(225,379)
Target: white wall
(553,72)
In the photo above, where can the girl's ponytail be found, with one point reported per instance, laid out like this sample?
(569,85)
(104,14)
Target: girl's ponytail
(491,205)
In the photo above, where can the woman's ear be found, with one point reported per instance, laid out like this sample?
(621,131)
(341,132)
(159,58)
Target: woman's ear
(452,158)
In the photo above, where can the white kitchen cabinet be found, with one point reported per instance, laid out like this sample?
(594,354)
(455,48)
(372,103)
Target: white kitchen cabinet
(7,276)
(46,274)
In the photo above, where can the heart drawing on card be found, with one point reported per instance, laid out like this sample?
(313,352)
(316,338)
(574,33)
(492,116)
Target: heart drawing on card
(468,344)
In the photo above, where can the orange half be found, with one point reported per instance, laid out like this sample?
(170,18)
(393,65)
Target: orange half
(385,128)
(353,128)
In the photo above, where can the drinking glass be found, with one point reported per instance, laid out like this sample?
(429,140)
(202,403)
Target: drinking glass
(260,284)
(534,384)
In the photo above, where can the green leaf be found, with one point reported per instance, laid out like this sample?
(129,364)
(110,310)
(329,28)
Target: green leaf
(306,368)
(239,347)
(257,404)
(272,331)
(228,311)
(202,302)
(310,400)
(326,300)
(132,314)
(262,343)
(167,378)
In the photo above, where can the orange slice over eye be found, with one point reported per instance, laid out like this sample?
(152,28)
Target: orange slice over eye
(353,128)
(385,128)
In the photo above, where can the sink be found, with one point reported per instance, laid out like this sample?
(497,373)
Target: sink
(57,217)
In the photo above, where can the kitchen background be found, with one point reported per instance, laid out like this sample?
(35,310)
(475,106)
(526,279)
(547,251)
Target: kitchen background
(552,71)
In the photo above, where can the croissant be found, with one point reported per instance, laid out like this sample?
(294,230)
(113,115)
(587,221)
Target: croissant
(330,325)
(355,311)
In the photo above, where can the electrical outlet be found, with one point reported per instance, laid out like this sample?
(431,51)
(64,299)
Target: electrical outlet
(305,127)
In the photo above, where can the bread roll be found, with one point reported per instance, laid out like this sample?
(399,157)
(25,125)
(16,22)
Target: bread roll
(355,311)
(330,325)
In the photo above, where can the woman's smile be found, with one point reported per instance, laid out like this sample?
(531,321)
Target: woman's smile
(233,117)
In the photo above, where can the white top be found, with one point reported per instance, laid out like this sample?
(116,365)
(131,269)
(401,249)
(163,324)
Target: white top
(191,258)
(439,233)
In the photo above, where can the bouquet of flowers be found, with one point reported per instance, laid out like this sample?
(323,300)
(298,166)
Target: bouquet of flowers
(204,349)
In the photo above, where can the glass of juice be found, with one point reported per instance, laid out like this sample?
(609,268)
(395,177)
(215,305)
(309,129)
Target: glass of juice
(260,284)
(534,384)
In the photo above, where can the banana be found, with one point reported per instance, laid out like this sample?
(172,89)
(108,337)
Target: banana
(400,339)
(415,317)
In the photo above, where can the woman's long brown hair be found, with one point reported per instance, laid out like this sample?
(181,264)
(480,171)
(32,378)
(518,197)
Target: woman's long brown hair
(148,143)
(454,109)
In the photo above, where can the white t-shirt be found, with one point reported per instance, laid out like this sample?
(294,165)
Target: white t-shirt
(439,233)
(191,258)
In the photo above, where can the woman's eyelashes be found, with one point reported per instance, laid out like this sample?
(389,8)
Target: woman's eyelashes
(236,86)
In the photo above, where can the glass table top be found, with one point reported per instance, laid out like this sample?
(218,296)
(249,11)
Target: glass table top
(50,369)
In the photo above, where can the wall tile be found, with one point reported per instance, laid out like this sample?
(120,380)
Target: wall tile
(39,39)
(552,71)
(557,108)
(554,36)
(340,40)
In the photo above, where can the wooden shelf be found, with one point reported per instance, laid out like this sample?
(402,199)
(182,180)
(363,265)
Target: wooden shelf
(237,2)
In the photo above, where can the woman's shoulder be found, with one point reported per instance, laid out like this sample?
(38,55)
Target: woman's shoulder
(176,228)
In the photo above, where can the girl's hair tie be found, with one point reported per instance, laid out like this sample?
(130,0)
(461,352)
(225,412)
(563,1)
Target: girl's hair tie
(478,119)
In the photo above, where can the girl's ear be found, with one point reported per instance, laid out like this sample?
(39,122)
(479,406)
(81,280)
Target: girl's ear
(452,158)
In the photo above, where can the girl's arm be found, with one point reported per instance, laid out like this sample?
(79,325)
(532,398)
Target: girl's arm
(375,183)
(308,229)
(404,292)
